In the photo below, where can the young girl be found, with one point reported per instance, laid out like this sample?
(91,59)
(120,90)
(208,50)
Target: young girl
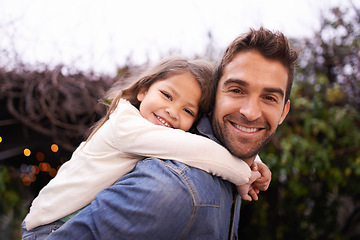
(148,119)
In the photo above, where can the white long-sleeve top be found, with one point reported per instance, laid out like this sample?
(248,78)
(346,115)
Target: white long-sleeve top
(124,139)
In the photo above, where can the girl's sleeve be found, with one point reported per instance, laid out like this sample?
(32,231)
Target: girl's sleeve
(137,136)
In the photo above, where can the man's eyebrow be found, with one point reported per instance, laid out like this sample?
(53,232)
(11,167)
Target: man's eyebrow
(236,81)
(243,83)
(275,90)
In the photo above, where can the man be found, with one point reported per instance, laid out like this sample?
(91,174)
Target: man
(163,199)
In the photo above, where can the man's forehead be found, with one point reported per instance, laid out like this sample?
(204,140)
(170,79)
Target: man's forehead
(251,67)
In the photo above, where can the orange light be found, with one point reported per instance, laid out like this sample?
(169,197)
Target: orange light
(41,167)
(32,177)
(52,172)
(26,180)
(0,139)
(27,152)
(45,167)
(35,169)
(40,156)
(54,148)
(23,175)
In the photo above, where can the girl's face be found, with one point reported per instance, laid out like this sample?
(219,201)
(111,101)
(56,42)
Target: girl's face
(173,102)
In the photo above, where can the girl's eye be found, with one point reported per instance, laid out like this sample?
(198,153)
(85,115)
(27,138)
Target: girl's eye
(188,111)
(168,96)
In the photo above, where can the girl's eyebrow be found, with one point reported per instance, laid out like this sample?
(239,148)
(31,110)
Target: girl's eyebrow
(192,105)
(176,94)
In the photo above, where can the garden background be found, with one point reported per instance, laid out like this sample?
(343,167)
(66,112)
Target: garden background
(314,157)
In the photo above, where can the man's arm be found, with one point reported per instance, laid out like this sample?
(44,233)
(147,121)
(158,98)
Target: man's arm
(151,202)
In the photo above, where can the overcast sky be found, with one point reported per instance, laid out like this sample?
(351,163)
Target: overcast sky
(99,34)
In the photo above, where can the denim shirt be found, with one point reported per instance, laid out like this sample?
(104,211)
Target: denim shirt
(160,199)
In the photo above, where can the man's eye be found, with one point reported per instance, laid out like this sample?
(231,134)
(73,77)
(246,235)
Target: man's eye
(188,111)
(168,96)
(235,90)
(269,98)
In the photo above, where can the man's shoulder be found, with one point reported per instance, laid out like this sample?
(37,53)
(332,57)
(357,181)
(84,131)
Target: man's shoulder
(169,168)
(182,180)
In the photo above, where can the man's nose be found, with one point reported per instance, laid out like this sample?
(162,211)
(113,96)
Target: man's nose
(251,109)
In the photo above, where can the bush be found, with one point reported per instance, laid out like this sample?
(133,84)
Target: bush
(12,205)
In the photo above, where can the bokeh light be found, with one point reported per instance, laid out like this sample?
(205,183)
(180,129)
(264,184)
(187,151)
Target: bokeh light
(40,156)
(32,177)
(54,148)
(25,179)
(35,169)
(45,167)
(27,152)
(52,172)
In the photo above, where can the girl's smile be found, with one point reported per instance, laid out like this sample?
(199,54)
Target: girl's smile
(163,121)
(172,102)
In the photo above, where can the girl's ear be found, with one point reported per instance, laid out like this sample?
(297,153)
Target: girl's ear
(141,94)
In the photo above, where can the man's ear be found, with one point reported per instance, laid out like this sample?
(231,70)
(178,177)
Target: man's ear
(141,94)
(285,112)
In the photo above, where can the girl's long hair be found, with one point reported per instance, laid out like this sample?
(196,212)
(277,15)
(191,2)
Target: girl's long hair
(202,70)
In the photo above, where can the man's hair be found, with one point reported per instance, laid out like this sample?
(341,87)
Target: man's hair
(272,45)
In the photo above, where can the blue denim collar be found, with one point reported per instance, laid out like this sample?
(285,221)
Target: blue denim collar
(204,128)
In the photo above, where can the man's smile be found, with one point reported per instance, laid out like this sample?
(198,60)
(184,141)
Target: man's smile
(245,129)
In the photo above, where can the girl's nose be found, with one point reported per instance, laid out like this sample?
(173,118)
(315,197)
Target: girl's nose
(173,113)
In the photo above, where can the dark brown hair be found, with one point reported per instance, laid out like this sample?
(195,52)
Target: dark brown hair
(272,45)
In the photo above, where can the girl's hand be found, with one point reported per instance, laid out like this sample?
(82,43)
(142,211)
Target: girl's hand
(262,183)
(246,190)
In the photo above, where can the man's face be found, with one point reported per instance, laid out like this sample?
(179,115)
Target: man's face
(250,103)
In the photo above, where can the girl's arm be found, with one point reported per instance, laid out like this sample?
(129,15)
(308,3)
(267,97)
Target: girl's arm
(114,150)
(137,136)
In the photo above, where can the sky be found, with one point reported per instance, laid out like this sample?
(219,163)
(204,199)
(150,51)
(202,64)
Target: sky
(100,35)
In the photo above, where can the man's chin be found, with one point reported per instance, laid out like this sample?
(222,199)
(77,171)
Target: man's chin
(246,151)
(251,150)
(248,156)
(243,151)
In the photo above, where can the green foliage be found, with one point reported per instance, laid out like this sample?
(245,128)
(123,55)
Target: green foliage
(12,207)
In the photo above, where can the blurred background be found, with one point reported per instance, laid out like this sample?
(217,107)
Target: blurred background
(58,58)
